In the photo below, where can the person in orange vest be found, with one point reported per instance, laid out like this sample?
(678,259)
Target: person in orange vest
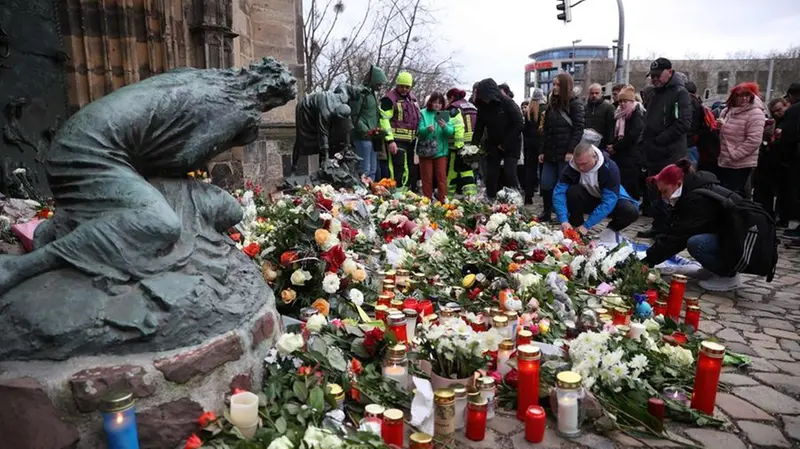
(400,116)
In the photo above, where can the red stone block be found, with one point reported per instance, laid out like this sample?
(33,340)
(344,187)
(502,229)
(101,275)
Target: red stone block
(196,362)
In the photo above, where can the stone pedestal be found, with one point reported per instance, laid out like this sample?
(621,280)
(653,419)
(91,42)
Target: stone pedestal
(172,389)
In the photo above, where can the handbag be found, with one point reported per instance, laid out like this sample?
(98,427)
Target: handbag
(426,148)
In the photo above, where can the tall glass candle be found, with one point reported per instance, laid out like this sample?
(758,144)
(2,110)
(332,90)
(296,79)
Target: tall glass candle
(691,301)
(619,316)
(528,358)
(652,297)
(503,356)
(660,308)
(461,405)
(706,378)
(692,318)
(392,430)
(535,420)
(374,411)
(569,395)
(500,322)
(384,300)
(489,392)
(425,307)
(381,312)
(444,418)
(119,421)
(395,366)
(411,323)
(677,288)
(476,420)
(513,322)
(524,337)
(420,440)
(397,326)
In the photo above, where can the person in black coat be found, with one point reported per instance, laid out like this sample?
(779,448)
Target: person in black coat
(624,149)
(563,129)
(533,113)
(501,119)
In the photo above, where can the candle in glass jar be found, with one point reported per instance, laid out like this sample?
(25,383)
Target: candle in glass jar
(410,303)
(569,395)
(384,300)
(392,428)
(535,420)
(528,358)
(461,404)
(479,324)
(488,392)
(420,440)
(692,318)
(524,337)
(500,323)
(637,330)
(119,421)
(652,297)
(337,392)
(676,394)
(476,420)
(396,304)
(660,308)
(677,288)
(381,312)
(706,380)
(425,307)
(656,408)
(444,418)
(390,275)
(503,356)
(395,366)
(411,323)
(619,316)
(692,301)
(513,322)
(370,424)
(568,414)
(374,411)
(397,326)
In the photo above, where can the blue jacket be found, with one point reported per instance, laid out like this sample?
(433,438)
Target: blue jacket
(608,181)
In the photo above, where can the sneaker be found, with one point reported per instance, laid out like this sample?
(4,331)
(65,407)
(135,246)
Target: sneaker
(545,217)
(721,284)
(648,234)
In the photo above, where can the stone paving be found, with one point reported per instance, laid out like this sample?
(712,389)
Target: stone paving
(761,405)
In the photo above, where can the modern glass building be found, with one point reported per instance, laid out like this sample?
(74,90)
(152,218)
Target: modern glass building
(586,63)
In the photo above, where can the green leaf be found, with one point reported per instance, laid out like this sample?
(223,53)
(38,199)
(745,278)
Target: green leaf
(337,361)
(291,408)
(316,399)
(320,346)
(280,425)
(357,348)
(300,390)
(353,330)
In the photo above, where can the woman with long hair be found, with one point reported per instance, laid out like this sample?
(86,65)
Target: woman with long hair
(433,146)
(533,113)
(624,147)
(563,129)
(741,132)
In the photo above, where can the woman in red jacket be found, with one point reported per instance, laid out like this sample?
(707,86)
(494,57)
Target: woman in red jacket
(741,132)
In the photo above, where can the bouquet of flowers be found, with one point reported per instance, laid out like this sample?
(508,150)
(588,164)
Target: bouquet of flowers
(470,154)
(454,349)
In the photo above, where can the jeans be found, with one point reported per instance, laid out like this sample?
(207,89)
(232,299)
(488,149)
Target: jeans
(693,155)
(735,179)
(581,202)
(494,170)
(551,171)
(369,158)
(705,248)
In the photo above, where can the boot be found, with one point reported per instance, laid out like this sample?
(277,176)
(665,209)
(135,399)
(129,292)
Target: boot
(547,211)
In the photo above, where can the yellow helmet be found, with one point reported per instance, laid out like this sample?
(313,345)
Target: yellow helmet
(405,79)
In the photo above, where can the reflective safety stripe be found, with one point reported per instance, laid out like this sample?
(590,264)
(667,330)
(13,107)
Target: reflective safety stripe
(404,181)
(405,135)
(468,132)
(399,108)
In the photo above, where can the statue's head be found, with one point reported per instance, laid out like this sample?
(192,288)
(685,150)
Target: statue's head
(273,84)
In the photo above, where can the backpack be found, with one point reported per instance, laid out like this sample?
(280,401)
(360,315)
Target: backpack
(748,235)
(708,140)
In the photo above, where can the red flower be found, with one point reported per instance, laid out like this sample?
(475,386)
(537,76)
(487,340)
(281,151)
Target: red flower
(348,233)
(288,258)
(371,339)
(206,418)
(194,442)
(304,370)
(324,203)
(511,246)
(511,378)
(494,256)
(356,367)
(539,255)
(252,249)
(236,236)
(566,270)
(334,257)
(238,390)
(474,293)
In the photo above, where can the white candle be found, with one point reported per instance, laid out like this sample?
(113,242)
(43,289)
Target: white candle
(244,409)
(503,355)
(637,330)
(398,374)
(568,414)
(411,323)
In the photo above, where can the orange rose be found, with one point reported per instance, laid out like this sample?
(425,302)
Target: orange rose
(359,275)
(513,267)
(321,236)
(288,258)
(322,306)
(288,296)
(268,271)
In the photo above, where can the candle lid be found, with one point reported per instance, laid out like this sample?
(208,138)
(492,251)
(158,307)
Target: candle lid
(420,438)
(374,409)
(525,333)
(403,272)
(444,396)
(396,318)
(487,382)
(381,307)
(335,390)
(622,329)
(397,351)
(447,312)
(660,302)
(604,318)
(692,300)
(393,415)
(397,304)
(535,411)
(390,273)
(507,344)
(473,394)
(693,308)
(410,313)
(601,310)
(712,349)
(479,404)
(494,311)
(459,390)
(117,401)
(511,315)
(621,309)
(679,278)
(528,352)
(499,321)
(568,380)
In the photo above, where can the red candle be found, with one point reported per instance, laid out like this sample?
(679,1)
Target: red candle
(675,299)
(476,420)
(528,357)
(652,297)
(706,378)
(619,316)
(410,304)
(677,339)
(692,318)
(384,300)
(397,325)
(660,308)
(479,325)
(425,307)
(390,275)
(392,427)
(656,407)
(535,419)
(524,337)
(380,312)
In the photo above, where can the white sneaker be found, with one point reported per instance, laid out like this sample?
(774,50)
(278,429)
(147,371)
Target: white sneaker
(721,284)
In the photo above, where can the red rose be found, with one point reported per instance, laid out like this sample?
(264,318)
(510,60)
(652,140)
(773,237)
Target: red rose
(494,256)
(539,255)
(511,378)
(566,270)
(194,442)
(334,258)
(371,339)
(206,418)
(348,233)
(511,246)
(236,236)
(288,258)
(356,367)
(252,249)
(474,293)
(324,203)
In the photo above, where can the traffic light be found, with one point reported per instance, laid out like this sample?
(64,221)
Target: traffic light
(566,16)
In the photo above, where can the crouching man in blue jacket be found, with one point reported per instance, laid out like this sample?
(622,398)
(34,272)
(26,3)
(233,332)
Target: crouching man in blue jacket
(591,185)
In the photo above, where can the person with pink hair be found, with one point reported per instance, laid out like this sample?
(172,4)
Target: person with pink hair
(741,127)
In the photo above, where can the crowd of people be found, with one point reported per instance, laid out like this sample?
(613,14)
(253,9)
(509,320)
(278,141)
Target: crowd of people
(655,149)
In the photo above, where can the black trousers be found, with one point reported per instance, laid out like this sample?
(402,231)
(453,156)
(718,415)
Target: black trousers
(405,158)
(530,180)
(629,174)
(494,171)
(658,207)
(580,202)
(735,179)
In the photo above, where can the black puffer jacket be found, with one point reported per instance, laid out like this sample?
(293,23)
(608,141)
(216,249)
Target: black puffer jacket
(600,117)
(626,149)
(500,118)
(560,137)
(669,117)
(693,214)
(532,135)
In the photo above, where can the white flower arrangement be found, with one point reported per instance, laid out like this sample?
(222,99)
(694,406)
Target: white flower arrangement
(454,349)
(469,150)
(599,366)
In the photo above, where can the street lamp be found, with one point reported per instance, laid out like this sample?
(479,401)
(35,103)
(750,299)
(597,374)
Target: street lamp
(572,55)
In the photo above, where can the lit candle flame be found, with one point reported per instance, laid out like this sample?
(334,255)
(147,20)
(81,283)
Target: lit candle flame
(119,418)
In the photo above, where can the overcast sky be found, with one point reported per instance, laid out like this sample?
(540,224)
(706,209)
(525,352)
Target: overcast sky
(493,38)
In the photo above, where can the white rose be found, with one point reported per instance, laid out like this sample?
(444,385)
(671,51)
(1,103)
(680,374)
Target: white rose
(357,297)
(349,266)
(335,227)
(331,442)
(288,343)
(299,277)
(313,437)
(316,322)
(330,283)
(651,277)
(281,443)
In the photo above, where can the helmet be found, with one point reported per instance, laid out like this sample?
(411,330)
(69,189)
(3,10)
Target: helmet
(405,79)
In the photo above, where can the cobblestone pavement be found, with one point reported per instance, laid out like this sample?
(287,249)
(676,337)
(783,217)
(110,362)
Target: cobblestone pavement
(762,404)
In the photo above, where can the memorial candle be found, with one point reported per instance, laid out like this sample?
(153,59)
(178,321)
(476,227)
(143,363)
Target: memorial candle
(411,323)
(652,297)
(420,441)
(392,429)
(706,378)
(656,408)
(660,308)
(535,420)
(476,420)
(381,312)
(692,318)
(397,326)
(677,288)
(119,421)
(244,412)
(524,337)
(503,356)
(528,358)
(395,366)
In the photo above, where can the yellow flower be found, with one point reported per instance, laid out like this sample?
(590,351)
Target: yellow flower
(544,327)
(288,296)
(359,275)
(335,210)
(468,280)
(426,200)
(321,236)
(190,174)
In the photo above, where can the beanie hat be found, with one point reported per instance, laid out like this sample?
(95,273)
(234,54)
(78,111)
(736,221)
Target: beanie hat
(405,79)
(538,96)
(627,93)
(456,93)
